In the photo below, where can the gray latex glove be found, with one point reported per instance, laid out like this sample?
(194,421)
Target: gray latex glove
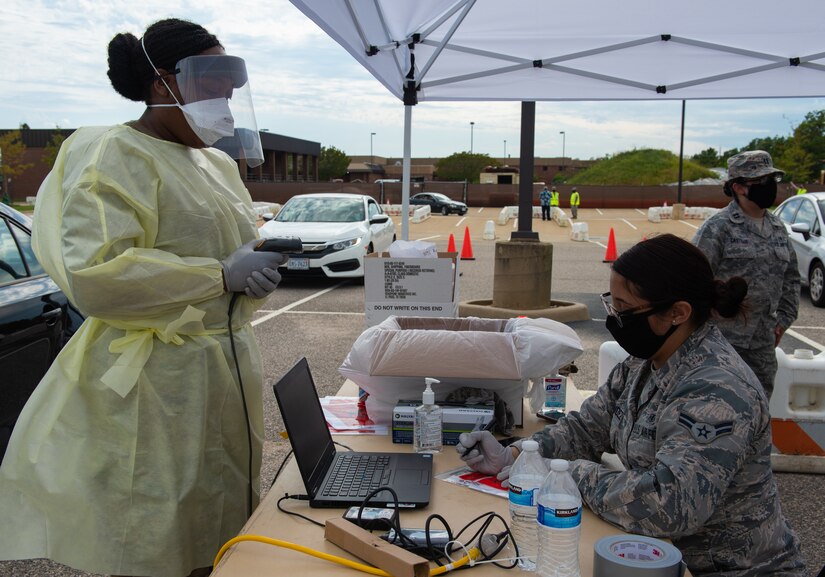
(254,273)
(483,453)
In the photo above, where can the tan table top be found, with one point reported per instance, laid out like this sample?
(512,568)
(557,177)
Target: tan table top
(458,505)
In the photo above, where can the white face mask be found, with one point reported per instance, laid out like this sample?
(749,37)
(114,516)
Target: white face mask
(210,120)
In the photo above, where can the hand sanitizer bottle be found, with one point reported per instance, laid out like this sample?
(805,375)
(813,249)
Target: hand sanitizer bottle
(427,435)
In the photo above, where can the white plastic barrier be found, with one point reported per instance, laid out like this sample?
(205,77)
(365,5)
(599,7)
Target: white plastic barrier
(489,230)
(657,213)
(579,231)
(421,213)
(798,412)
(559,217)
(507,213)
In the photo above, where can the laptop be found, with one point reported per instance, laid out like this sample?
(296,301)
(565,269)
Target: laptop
(343,479)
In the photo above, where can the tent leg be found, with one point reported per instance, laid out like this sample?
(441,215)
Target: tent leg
(526,165)
(405,186)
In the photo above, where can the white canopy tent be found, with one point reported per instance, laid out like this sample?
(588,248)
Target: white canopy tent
(530,50)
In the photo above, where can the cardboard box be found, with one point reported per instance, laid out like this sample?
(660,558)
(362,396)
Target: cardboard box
(391,360)
(420,287)
(455,420)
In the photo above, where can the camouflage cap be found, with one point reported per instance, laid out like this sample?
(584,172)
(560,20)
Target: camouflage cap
(751,164)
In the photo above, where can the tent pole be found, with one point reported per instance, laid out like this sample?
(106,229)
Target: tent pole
(681,155)
(405,184)
(526,165)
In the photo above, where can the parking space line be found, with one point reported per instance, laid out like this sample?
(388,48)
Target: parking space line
(627,222)
(429,237)
(598,243)
(463,218)
(689,224)
(282,310)
(480,210)
(599,211)
(323,313)
(805,340)
(640,212)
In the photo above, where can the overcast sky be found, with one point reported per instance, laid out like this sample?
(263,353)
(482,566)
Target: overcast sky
(53,73)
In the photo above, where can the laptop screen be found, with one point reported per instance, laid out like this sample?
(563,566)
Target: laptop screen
(305,424)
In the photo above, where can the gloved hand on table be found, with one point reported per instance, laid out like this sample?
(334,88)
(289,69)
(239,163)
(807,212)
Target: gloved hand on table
(483,453)
(254,273)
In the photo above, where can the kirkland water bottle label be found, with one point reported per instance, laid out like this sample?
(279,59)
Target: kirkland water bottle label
(567,518)
(519,496)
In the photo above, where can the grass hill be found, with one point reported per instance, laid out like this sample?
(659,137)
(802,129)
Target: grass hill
(640,167)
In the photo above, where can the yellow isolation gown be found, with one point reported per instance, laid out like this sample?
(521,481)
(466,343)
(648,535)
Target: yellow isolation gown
(131,457)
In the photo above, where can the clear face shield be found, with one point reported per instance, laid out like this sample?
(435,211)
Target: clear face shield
(218,77)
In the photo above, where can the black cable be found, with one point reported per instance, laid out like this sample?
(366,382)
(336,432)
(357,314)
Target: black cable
(243,399)
(293,513)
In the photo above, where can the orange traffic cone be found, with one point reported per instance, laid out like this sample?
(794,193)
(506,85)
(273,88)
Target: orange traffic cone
(610,254)
(451,244)
(466,246)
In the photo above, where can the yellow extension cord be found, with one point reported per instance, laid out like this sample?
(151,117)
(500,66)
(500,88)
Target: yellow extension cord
(473,553)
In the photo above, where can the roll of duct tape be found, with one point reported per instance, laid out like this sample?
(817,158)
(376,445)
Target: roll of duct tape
(634,556)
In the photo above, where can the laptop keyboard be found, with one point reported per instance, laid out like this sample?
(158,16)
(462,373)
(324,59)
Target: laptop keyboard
(357,475)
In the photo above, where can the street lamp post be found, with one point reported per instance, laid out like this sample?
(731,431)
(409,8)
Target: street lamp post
(372,158)
(563,142)
(505,150)
(471,136)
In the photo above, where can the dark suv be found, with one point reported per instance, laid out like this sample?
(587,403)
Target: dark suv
(439,203)
(36,319)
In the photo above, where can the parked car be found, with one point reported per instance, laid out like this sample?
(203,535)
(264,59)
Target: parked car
(439,203)
(803,217)
(36,319)
(337,230)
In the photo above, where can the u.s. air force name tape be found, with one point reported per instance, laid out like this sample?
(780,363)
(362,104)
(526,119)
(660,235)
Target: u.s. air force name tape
(634,555)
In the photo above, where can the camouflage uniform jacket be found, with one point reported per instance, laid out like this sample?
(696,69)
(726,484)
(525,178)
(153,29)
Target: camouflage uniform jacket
(736,247)
(695,439)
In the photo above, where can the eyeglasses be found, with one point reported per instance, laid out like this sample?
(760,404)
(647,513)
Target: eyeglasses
(607,302)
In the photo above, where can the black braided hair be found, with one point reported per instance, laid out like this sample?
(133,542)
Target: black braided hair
(166,41)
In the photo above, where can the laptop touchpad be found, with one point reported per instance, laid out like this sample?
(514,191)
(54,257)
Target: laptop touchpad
(411,477)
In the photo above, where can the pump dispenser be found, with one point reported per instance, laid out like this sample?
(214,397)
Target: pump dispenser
(427,435)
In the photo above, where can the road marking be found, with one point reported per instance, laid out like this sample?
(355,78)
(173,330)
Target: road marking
(287,308)
(810,328)
(599,211)
(480,210)
(627,222)
(429,237)
(640,212)
(805,340)
(689,224)
(323,313)
(598,243)
(463,218)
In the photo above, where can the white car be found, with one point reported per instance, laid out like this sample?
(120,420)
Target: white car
(803,217)
(337,230)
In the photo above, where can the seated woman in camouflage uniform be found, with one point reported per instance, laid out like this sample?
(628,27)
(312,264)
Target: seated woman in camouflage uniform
(685,415)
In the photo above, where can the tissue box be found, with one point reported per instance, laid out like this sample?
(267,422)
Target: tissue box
(390,360)
(455,420)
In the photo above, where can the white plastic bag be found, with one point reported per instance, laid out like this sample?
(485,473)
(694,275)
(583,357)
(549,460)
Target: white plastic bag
(413,249)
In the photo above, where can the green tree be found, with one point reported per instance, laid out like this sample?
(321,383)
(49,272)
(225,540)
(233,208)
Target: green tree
(809,136)
(707,158)
(53,147)
(332,163)
(640,167)
(464,166)
(12,151)
(799,164)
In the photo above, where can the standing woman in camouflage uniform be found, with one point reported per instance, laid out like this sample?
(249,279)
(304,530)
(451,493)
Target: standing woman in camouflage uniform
(685,415)
(745,239)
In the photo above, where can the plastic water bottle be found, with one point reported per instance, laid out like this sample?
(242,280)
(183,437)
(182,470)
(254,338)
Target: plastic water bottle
(526,477)
(559,523)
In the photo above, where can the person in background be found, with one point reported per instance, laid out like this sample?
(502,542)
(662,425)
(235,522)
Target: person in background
(575,201)
(798,189)
(685,415)
(746,239)
(544,201)
(139,452)
(554,201)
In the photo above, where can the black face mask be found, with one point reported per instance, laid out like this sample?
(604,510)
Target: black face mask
(635,335)
(762,194)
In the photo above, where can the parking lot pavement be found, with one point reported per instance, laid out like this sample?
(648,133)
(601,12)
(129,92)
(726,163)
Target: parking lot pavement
(320,319)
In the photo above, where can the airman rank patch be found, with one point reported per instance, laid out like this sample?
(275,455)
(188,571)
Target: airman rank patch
(705,432)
